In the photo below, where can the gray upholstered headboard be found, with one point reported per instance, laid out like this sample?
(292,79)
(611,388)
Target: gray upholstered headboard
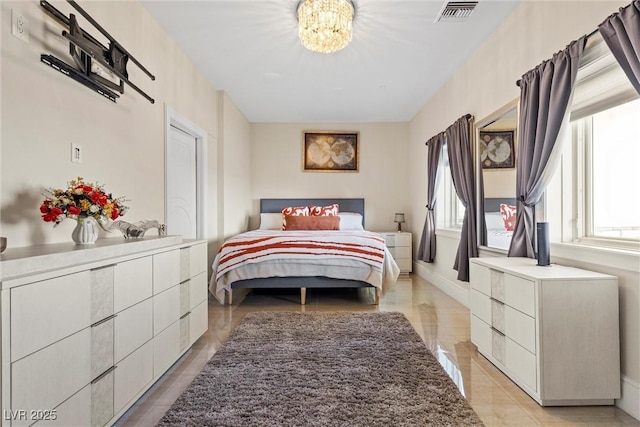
(346,205)
(493,204)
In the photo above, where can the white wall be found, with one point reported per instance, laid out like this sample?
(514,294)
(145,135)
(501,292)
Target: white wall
(276,169)
(486,82)
(123,144)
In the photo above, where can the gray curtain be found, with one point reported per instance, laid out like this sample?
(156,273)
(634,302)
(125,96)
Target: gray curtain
(461,164)
(545,93)
(427,248)
(621,32)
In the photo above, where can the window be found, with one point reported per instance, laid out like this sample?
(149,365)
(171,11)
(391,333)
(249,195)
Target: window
(450,208)
(605,154)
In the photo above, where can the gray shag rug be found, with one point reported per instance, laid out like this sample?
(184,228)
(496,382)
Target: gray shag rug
(322,369)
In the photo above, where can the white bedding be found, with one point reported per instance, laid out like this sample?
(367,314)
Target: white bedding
(333,263)
(497,235)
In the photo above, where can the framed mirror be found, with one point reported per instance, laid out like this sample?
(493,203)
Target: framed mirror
(495,152)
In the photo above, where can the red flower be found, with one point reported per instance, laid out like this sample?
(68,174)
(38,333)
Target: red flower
(114,213)
(44,208)
(74,210)
(50,217)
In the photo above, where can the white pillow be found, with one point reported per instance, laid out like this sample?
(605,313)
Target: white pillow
(271,221)
(350,221)
(494,220)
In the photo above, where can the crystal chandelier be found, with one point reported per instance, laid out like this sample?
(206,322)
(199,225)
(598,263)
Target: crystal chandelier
(325,25)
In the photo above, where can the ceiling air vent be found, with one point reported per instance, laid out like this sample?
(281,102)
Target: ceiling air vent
(456,11)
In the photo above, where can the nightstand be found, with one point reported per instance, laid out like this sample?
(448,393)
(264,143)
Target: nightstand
(399,244)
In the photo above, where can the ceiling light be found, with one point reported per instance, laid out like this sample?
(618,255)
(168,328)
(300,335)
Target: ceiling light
(325,25)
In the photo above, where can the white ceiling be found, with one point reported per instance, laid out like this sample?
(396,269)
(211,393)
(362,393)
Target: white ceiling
(397,60)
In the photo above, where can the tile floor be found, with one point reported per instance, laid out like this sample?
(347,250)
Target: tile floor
(440,320)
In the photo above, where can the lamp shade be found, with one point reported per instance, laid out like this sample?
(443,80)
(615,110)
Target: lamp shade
(399,217)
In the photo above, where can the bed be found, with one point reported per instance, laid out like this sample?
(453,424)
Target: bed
(269,257)
(498,232)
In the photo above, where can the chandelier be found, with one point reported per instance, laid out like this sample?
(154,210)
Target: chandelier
(325,25)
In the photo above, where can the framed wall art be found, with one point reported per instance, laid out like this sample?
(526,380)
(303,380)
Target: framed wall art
(328,151)
(496,149)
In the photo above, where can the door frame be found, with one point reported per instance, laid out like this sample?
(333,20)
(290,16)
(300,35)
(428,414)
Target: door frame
(172,118)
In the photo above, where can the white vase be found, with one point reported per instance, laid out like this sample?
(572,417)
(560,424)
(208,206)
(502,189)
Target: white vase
(86,231)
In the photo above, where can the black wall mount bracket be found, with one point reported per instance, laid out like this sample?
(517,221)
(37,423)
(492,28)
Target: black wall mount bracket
(85,50)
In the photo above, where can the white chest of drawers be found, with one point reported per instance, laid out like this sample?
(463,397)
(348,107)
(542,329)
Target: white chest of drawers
(86,332)
(399,244)
(553,330)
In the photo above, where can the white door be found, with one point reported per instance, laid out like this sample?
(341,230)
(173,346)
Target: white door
(182,205)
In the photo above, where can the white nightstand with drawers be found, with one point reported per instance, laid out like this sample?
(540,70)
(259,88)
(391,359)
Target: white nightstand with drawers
(399,244)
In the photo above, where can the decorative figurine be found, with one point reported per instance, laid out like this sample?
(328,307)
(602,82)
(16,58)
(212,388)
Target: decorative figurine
(137,230)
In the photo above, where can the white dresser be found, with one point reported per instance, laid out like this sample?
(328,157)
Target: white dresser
(86,331)
(553,330)
(399,244)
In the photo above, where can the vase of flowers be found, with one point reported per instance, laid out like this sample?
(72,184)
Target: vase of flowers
(89,204)
(86,231)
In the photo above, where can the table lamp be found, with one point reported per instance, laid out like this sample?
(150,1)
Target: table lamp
(399,218)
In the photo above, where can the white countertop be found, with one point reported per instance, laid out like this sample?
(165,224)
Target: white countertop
(16,262)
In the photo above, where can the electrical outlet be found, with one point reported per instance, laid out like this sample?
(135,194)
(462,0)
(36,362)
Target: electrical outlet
(76,153)
(19,25)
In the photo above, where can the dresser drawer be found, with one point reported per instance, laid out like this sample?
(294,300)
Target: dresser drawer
(133,327)
(166,347)
(404,264)
(132,375)
(520,294)
(45,379)
(393,240)
(75,411)
(521,328)
(133,282)
(198,322)
(481,335)
(45,312)
(198,289)
(197,260)
(166,309)
(166,270)
(480,278)
(481,306)
(522,363)
(400,252)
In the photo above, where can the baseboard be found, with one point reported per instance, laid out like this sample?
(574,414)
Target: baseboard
(447,286)
(630,401)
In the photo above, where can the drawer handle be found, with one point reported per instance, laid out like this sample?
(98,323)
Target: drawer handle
(106,319)
(498,331)
(496,300)
(104,374)
(185,315)
(103,267)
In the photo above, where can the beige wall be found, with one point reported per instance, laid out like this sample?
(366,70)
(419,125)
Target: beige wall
(235,133)
(276,169)
(482,85)
(123,144)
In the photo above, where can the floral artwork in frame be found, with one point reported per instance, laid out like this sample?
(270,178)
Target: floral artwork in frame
(330,151)
(496,149)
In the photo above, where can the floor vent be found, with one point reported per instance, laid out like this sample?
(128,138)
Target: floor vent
(456,11)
